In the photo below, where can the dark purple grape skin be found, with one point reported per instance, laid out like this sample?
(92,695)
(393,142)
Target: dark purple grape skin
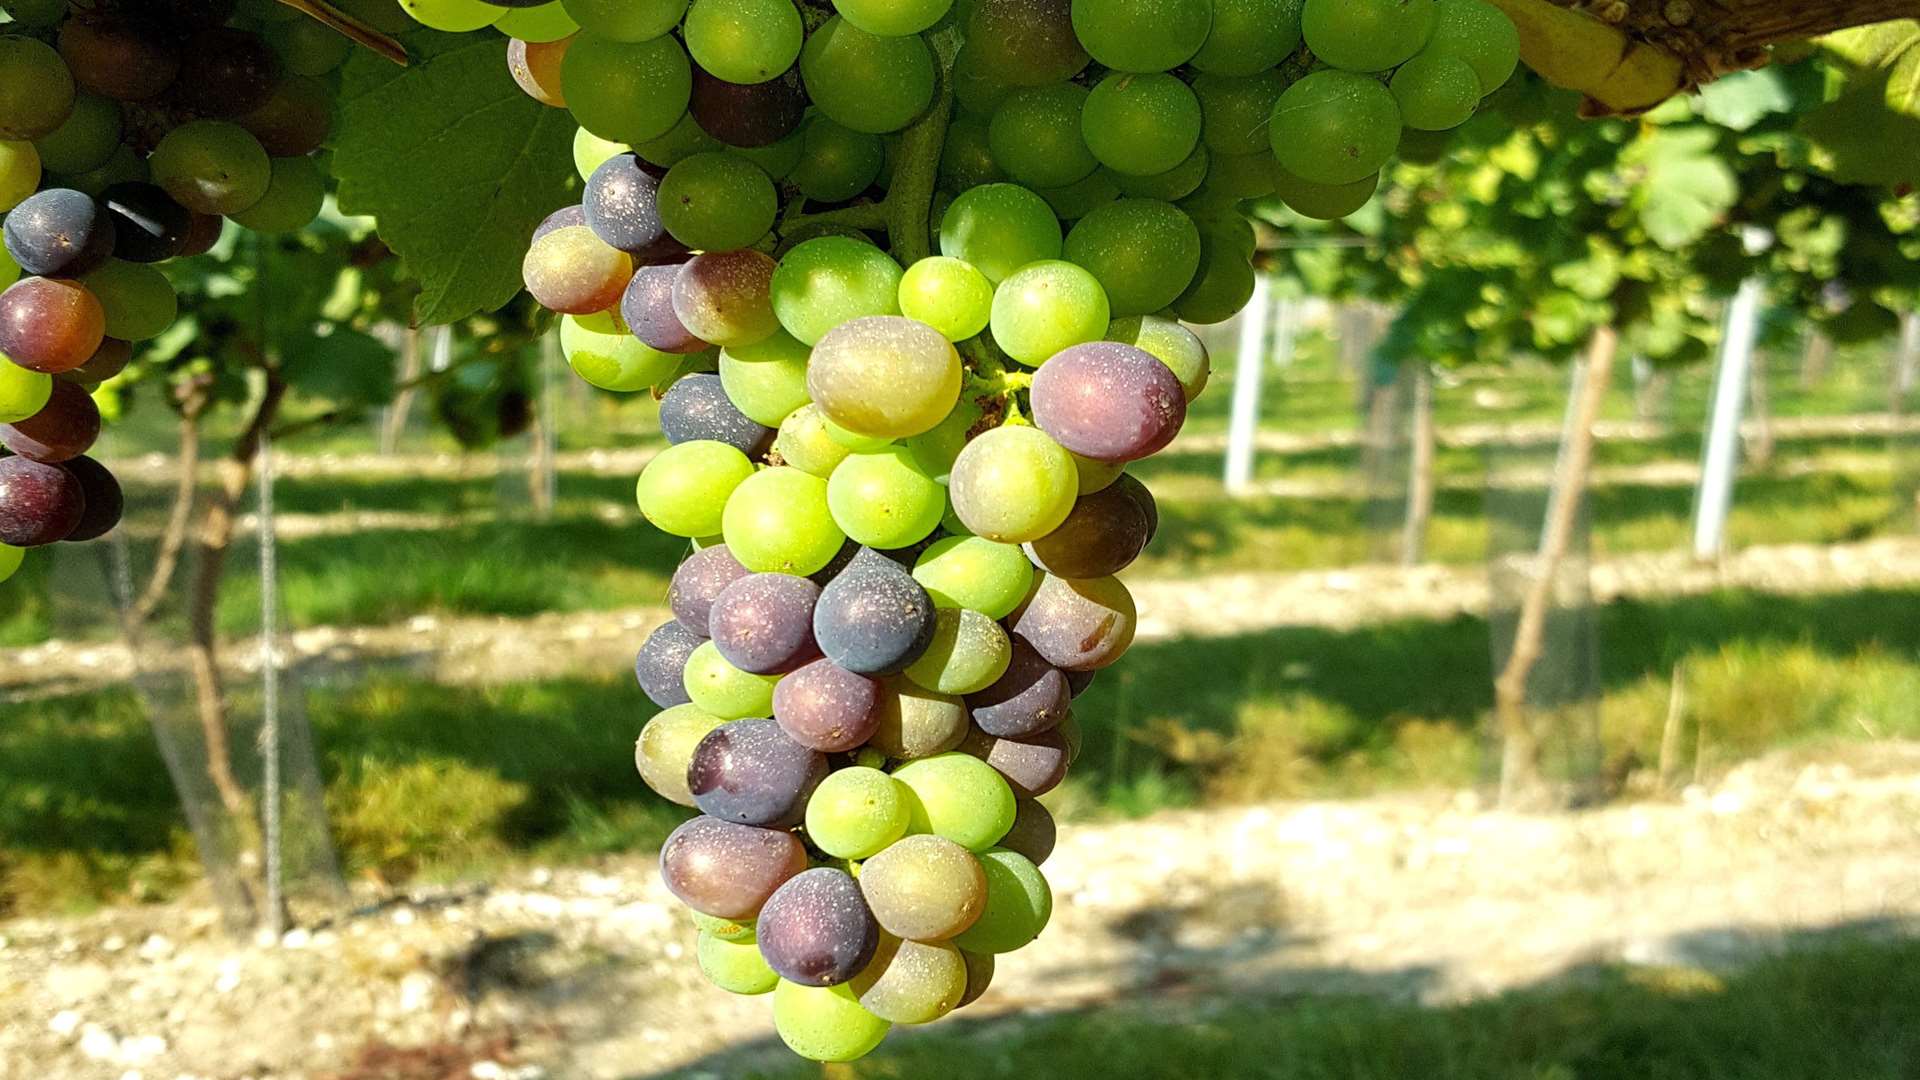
(64,428)
(827,707)
(816,929)
(148,226)
(563,218)
(1030,698)
(110,359)
(698,582)
(840,561)
(697,407)
(1033,833)
(105,501)
(1078,681)
(726,870)
(1031,766)
(1108,401)
(763,623)
(757,115)
(39,504)
(873,619)
(661,664)
(647,309)
(750,772)
(1104,533)
(117,60)
(232,73)
(1137,491)
(59,232)
(622,206)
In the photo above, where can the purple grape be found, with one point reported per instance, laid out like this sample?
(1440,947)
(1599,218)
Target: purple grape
(1032,766)
(757,115)
(647,309)
(816,929)
(751,773)
(663,661)
(63,428)
(1030,698)
(104,500)
(148,226)
(1103,534)
(622,207)
(1033,833)
(726,870)
(840,561)
(873,619)
(1078,624)
(232,72)
(1078,681)
(564,218)
(763,623)
(827,707)
(1108,401)
(697,407)
(110,359)
(39,504)
(59,232)
(698,582)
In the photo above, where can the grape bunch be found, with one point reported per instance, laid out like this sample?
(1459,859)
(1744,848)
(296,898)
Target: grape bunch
(899,429)
(130,130)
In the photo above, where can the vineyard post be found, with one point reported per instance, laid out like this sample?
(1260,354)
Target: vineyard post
(1420,466)
(1250,362)
(270,781)
(1720,460)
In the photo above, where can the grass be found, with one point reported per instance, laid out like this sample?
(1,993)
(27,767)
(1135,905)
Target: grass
(1841,1009)
(423,779)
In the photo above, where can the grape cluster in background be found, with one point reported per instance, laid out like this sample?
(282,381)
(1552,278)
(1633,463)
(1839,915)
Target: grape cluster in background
(130,131)
(903,479)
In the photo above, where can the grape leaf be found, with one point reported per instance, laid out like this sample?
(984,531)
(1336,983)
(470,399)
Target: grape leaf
(456,164)
(1860,139)
(1873,46)
(1688,187)
(346,367)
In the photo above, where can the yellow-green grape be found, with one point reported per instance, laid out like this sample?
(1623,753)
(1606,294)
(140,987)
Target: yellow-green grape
(604,353)
(947,294)
(725,691)
(825,1023)
(22,392)
(293,198)
(912,982)
(735,966)
(805,443)
(767,380)
(211,166)
(539,24)
(685,489)
(1045,307)
(885,377)
(856,812)
(828,281)
(924,888)
(859,444)
(1013,484)
(9,270)
(1172,344)
(665,748)
(137,298)
(590,151)
(778,522)
(36,88)
(968,652)
(725,929)
(958,797)
(1323,202)
(627,20)
(1435,93)
(1019,903)
(86,140)
(975,573)
(1096,475)
(884,500)
(456,16)
(10,559)
(916,722)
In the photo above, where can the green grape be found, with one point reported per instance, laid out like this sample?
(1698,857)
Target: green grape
(1143,252)
(212,167)
(1019,903)
(1235,110)
(310,48)
(1367,35)
(884,500)
(630,92)
(1234,177)
(138,300)
(19,172)
(868,83)
(947,294)
(734,930)
(743,41)
(1335,127)
(1172,344)
(912,982)
(778,522)
(1142,35)
(734,966)
(1249,36)
(36,14)
(958,797)
(717,202)
(720,689)
(856,812)
(22,392)
(122,166)
(1013,484)
(1078,200)
(10,559)
(825,1023)
(968,652)
(885,377)
(854,443)
(1141,124)
(1221,288)
(1091,476)
(665,748)
(626,20)
(804,443)
(684,141)
(590,151)
(767,380)
(916,722)
(540,24)
(36,88)
(1423,147)
(1323,202)
(684,489)
(977,88)
(892,18)
(779,159)
(1435,93)
(1000,228)
(1035,136)
(1176,183)
(975,573)
(1480,34)
(87,138)
(1046,307)
(9,270)
(830,280)
(936,449)
(836,161)
(966,160)
(295,193)
(604,353)
(456,16)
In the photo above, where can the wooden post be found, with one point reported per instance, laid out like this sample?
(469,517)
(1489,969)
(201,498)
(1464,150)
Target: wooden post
(1243,426)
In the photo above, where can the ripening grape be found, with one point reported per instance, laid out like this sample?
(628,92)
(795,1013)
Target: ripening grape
(884,500)
(85,140)
(1172,344)
(212,167)
(1108,401)
(831,280)
(924,888)
(916,722)
(1045,307)
(1323,202)
(743,41)
(748,115)
(1019,903)
(110,359)
(50,325)
(535,66)
(728,870)
(1480,34)
(763,623)
(1031,697)
(1013,484)
(734,966)
(805,444)
(1078,625)
(825,1023)
(968,653)
(117,61)
(1142,35)
(947,294)
(1435,93)
(999,228)
(725,297)
(1143,252)
(604,353)
(626,20)
(39,504)
(912,982)
(1031,767)
(767,380)
(868,83)
(64,428)
(294,119)
(1035,136)
(836,162)
(1249,36)
(856,812)
(1033,833)
(1235,111)
(1141,124)
(724,690)
(815,930)
(36,88)
(665,749)
(661,664)
(778,521)
(873,619)
(975,573)
(626,91)
(59,232)
(685,488)
(1335,127)
(1107,530)
(1024,42)
(750,772)
(137,301)
(234,72)
(22,392)
(828,708)
(697,582)
(573,271)
(958,797)
(453,15)
(884,377)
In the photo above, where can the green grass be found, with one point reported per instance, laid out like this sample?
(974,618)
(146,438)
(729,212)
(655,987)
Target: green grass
(1844,1009)
(437,780)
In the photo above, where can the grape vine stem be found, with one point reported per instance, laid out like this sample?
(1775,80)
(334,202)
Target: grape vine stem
(351,28)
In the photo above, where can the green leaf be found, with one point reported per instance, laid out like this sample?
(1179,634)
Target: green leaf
(346,367)
(1860,139)
(456,164)
(1686,187)
(1745,98)
(1873,46)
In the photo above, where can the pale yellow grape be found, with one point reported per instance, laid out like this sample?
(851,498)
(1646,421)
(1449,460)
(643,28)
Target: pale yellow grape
(604,353)
(825,1023)
(777,521)
(685,488)
(735,966)
(885,376)
(1013,484)
(912,982)
(665,748)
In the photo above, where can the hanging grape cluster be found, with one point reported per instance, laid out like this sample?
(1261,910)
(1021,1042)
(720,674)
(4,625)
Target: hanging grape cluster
(902,472)
(130,131)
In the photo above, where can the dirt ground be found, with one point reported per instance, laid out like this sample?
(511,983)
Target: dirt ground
(587,971)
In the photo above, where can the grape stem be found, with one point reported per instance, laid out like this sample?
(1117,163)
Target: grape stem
(351,28)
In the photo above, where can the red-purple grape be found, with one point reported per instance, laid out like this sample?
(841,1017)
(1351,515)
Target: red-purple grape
(698,582)
(726,870)
(662,662)
(64,428)
(763,623)
(873,618)
(750,772)
(39,504)
(647,308)
(1108,401)
(816,929)
(105,501)
(1030,698)
(1105,532)
(827,707)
